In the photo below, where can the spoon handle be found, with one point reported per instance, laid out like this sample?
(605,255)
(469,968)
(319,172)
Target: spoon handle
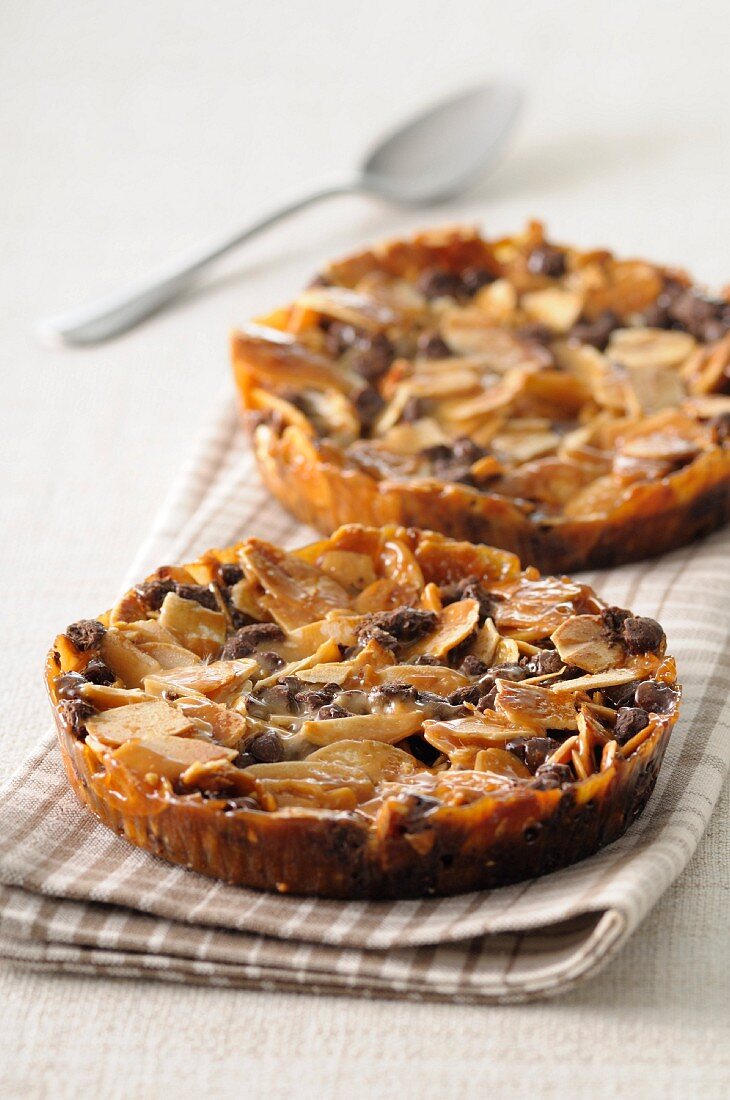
(122,310)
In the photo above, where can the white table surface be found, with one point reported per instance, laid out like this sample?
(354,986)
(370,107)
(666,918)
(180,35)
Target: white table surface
(130,130)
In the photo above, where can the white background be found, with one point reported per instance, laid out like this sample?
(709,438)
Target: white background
(131,129)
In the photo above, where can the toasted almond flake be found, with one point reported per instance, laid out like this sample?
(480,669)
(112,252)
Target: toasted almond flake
(637,740)
(583,641)
(485,643)
(148,630)
(140,720)
(486,730)
(517,446)
(649,347)
(196,627)
(348,568)
(228,727)
(345,305)
(380,762)
(564,752)
(431,597)
(455,623)
(497,301)
(411,439)
(501,763)
(611,678)
(127,662)
(104,698)
(452,383)
(168,757)
(295,593)
(558,309)
(436,678)
(267,357)
(608,755)
(203,679)
(507,652)
(327,653)
(167,655)
(530,705)
(390,728)
(579,765)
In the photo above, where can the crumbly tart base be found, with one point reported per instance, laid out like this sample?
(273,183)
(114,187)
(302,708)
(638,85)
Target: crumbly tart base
(600,391)
(530,777)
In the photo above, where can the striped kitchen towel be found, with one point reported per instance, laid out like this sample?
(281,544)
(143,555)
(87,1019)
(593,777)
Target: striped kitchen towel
(75,897)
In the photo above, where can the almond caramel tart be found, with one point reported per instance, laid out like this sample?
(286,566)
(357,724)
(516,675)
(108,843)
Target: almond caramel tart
(386,713)
(566,405)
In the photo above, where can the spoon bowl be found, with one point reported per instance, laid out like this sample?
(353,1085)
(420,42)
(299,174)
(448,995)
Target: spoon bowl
(442,150)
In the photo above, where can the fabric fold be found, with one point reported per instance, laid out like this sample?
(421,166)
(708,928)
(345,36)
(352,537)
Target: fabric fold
(76,897)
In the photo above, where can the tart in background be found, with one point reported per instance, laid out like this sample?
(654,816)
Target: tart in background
(569,406)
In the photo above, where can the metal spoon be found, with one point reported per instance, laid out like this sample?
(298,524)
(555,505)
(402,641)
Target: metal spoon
(428,159)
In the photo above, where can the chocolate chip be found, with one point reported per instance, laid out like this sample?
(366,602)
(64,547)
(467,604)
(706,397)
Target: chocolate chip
(98,672)
(467,450)
(432,346)
(199,593)
(473,666)
(85,634)
(596,332)
(244,642)
(414,409)
(436,282)
(67,686)
(488,699)
(612,621)
(703,317)
(535,332)
(376,634)
(332,710)
(547,260)
(720,428)
(153,593)
(313,699)
(642,635)
(629,721)
(655,697)
(269,661)
(398,689)
(474,278)
(267,748)
(339,337)
(75,712)
(532,751)
(405,624)
(230,574)
(470,693)
(544,663)
(622,694)
(244,760)
(427,659)
(371,357)
(368,405)
(512,672)
(550,776)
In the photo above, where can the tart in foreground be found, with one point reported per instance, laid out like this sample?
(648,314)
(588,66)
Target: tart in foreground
(385,713)
(569,406)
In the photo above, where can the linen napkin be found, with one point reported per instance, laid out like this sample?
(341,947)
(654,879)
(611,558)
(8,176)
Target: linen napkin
(75,897)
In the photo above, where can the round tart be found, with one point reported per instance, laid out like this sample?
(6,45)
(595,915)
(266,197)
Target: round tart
(568,406)
(387,713)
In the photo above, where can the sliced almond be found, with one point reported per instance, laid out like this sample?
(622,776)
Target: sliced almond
(295,593)
(228,726)
(380,762)
(389,728)
(168,655)
(501,763)
(649,347)
(142,720)
(202,679)
(127,662)
(558,309)
(348,568)
(611,678)
(104,698)
(168,757)
(583,641)
(197,627)
(455,623)
(531,705)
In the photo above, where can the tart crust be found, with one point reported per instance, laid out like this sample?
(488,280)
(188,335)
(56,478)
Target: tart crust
(400,840)
(668,387)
